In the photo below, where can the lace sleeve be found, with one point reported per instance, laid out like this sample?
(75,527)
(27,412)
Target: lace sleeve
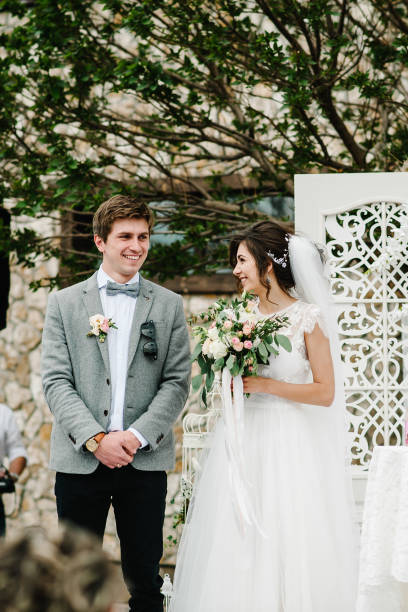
(312,315)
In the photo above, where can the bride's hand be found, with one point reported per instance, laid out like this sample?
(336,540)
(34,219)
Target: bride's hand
(255,384)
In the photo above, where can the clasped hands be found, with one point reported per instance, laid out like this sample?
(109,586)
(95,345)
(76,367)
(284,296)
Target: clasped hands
(117,448)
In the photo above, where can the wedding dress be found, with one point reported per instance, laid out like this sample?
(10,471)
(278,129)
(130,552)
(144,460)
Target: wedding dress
(301,556)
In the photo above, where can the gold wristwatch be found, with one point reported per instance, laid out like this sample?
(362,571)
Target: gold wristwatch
(93,443)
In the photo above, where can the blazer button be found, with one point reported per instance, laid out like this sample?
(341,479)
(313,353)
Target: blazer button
(107,381)
(105,412)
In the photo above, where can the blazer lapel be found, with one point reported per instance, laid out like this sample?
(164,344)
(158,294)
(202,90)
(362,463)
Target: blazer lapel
(93,306)
(143,306)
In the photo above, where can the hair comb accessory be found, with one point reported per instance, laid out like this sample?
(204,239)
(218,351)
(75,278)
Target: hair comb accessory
(280,261)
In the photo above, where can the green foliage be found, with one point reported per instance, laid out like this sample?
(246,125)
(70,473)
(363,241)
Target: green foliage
(169,101)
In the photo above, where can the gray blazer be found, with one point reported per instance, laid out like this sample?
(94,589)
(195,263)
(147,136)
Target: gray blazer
(76,376)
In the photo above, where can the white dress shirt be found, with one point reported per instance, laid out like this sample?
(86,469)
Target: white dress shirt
(120,308)
(11,445)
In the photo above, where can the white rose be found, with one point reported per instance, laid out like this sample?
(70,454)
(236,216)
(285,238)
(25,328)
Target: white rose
(96,321)
(251,317)
(218,349)
(206,347)
(213,333)
(230,313)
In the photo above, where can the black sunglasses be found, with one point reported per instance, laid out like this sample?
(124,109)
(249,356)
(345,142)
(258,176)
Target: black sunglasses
(148,330)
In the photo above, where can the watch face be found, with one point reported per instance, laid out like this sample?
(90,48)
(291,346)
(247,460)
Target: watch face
(91,445)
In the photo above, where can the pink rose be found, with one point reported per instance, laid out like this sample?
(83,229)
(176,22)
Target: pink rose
(238,346)
(227,324)
(248,344)
(105,325)
(250,369)
(235,340)
(247,329)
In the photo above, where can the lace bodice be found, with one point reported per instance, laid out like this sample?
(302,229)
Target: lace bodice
(294,366)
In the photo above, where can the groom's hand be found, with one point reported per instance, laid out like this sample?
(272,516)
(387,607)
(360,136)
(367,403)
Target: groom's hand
(117,449)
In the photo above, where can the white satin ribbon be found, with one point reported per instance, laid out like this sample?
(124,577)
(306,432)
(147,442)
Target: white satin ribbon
(234,443)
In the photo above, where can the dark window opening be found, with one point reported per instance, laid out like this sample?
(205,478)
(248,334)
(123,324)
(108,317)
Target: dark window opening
(4,266)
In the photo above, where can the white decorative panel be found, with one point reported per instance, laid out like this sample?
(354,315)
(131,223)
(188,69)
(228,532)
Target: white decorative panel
(369,300)
(197,433)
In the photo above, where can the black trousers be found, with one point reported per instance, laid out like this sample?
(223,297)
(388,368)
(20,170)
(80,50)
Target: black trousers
(2,518)
(138,498)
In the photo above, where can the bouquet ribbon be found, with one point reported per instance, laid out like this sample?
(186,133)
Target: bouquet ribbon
(242,499)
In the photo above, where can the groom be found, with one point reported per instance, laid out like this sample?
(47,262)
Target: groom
(115,385)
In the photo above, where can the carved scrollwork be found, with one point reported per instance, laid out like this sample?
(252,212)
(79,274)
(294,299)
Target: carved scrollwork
(371,303)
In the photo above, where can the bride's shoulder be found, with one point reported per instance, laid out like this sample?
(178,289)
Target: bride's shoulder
(307,315)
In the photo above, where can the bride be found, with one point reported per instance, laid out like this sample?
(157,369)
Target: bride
(300,554)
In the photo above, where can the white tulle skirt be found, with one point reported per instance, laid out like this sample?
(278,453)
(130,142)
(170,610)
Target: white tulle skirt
(305,558)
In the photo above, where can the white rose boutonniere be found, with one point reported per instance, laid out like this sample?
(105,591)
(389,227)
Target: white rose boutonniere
(100,326)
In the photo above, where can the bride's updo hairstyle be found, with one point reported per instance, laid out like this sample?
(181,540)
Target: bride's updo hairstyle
(261,238)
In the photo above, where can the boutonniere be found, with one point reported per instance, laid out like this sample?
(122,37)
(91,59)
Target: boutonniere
(100,326)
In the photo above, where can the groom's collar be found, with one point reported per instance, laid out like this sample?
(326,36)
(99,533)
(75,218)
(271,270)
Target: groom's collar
(102,278)
(145,286)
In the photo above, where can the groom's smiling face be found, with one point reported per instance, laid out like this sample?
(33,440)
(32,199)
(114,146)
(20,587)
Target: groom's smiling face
(125,249)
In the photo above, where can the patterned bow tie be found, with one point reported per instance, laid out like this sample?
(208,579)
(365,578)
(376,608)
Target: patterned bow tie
(114,288)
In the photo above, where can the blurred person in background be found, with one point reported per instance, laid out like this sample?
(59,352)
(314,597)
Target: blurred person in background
(11,446)
(63,572)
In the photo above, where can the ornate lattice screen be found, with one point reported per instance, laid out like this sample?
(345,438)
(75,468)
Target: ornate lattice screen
(371,294)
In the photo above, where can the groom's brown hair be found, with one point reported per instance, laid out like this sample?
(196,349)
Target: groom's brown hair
(120,207)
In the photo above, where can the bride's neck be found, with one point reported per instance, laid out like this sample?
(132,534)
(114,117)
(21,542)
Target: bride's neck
(276,300)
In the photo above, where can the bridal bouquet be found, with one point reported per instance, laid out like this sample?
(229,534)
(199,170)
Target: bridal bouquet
(233,336)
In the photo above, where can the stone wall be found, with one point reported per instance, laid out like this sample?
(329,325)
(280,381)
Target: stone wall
(20,388)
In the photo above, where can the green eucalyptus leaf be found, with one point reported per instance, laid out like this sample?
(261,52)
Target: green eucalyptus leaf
(197,351)
(284,342)
(209,379)
(235,369)
(196,382)
(262,350)
(204,396)
(218,364)
(230,361)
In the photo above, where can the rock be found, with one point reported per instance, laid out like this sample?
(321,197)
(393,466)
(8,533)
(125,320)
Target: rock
(16,286)
(17,311)
(38,299)
(19,415)
(12,356)
(16,395)
(36,319)
(35,360)
(33,425)
(44,484)
(45,432)
(37,456)
(27,410)
(26,337)
(22,371)
(36,387)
